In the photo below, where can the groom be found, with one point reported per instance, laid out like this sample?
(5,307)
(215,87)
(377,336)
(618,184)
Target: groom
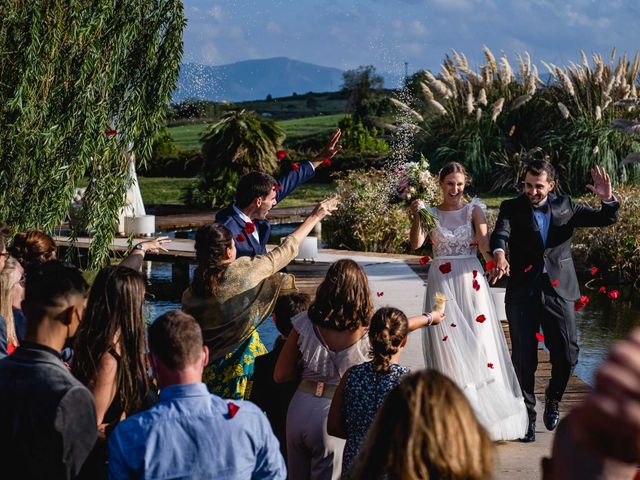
(536,228)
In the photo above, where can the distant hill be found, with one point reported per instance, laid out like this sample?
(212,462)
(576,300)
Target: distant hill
(254,80)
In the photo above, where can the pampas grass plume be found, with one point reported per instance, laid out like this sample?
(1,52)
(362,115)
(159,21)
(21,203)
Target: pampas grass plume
(564,110)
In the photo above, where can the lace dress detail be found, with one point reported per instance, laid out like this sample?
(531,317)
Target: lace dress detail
(454,234)
(469,346)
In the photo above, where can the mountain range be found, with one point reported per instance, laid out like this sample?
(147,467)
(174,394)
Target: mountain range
(255,79)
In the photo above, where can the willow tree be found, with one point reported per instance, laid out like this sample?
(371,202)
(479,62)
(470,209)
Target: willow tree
(83,85)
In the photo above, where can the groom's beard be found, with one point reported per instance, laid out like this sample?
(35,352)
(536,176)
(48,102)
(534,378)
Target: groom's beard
(536,199)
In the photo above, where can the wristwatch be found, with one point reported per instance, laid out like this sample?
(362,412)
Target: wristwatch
(139,246)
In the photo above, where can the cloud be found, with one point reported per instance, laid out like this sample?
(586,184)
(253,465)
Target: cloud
(216,12)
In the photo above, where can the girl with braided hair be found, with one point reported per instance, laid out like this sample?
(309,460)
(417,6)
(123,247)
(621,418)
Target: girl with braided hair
(230,297)
(364,387)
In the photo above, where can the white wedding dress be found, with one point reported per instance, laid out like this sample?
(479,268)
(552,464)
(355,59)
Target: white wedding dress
(472,353)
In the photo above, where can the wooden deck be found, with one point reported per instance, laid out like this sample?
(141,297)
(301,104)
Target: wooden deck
(186,221)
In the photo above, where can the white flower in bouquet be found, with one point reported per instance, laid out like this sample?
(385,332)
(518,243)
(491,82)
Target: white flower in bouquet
(415,182)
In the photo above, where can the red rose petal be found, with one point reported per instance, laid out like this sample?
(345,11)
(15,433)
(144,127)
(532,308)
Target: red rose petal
(475,273)
(490,365)
(296,166)
(233,409)
(249,228)
(481,318)
(528,268)
(602,290)
(613,294)
(379,294)
(473,244)
(539,337)
(424,260)
(280,154)
(490,265)
(584,299)
(110,133)
(326,162)
(240,238)
(555,283)
(476,285)
(277,187)
(445,338)
(594,270)
(453,325)
(445,267)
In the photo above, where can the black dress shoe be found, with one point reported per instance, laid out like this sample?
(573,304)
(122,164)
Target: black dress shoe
(530,436)
(551,414)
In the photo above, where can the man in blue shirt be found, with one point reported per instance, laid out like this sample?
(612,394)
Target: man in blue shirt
(191,433)
(257,193)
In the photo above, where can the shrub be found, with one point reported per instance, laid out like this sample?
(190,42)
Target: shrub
(616,249)
(366,219)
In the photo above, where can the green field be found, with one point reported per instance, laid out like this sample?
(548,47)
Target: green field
(187,137)
(170,191)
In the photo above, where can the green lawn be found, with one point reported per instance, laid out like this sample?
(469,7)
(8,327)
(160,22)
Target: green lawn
(187,137)
(163,190)
(299,128)
(170,191)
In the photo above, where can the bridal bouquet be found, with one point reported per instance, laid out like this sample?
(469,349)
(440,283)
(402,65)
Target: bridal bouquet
(415,182)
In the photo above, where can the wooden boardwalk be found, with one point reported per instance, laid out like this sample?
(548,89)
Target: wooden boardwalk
(186,221)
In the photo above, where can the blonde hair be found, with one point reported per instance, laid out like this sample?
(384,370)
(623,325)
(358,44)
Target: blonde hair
(6,303)
(426,429)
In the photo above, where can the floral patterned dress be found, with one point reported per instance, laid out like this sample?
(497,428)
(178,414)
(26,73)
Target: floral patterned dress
(364,392)
(230,376)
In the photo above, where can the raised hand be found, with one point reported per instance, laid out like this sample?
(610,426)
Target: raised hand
(326,207)
(154,245)
(601,183)
(330,149)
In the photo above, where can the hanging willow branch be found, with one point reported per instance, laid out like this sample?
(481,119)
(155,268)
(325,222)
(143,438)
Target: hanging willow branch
(83,85)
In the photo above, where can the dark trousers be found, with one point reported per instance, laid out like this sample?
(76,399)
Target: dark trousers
(526,311)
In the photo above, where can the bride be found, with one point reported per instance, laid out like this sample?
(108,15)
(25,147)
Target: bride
(470,346)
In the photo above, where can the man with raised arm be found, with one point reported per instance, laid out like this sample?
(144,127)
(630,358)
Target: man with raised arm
(536,229)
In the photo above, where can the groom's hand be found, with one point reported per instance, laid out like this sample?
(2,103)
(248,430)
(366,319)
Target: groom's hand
(601,184)
(502,268)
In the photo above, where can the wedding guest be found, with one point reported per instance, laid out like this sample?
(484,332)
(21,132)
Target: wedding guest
(257,193)
(11,296)
(363,388)
(4,235)
(426,428)
(273,398)
(47,417)
(191,433)
(608,422)
(327,340)
(109,353)
(572,461)
(230,297)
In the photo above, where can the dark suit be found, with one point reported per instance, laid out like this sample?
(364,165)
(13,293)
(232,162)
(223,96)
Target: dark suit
(47,417)
(531,299)
(228,217)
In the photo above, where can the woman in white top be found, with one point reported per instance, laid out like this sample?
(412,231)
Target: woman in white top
(327,340)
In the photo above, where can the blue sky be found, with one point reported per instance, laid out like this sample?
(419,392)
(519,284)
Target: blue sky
(386,33)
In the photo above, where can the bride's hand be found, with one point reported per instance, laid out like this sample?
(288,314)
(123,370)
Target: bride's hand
(416,206)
